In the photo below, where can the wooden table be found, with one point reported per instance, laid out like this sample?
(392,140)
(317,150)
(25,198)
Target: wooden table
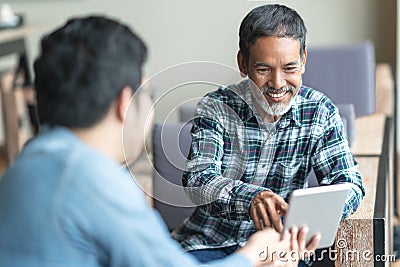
(365,238)
(369,135)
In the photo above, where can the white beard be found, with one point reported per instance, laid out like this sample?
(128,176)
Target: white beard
(276,109)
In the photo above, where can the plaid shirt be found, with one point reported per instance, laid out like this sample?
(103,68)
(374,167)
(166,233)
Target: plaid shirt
(235,155)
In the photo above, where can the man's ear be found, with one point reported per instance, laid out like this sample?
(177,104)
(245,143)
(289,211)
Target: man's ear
(242,64)
(123,101)
(303,61)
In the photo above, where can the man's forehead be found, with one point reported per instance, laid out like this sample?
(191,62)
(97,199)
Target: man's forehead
(282,45)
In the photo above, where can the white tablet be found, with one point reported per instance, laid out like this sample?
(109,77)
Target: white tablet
(320,209)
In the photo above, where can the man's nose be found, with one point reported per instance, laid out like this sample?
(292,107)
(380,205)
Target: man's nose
(276,80)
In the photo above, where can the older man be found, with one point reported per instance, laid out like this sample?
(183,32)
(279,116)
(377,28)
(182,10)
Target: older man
(256,141)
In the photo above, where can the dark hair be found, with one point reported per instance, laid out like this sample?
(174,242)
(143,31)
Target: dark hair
(271,20)
(82,68)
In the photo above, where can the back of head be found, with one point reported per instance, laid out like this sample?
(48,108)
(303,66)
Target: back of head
(82,68)
(271,21)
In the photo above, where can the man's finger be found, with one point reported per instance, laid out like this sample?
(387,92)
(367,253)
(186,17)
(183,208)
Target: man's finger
(313,244)
(302,237)
(263,215)
(254,216)
(285,235)
(294,245)
(282,208)
(274,216)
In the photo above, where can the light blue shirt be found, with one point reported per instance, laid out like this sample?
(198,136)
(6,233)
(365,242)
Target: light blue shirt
(64,204)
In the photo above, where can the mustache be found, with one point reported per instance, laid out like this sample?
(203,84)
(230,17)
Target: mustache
(284,89)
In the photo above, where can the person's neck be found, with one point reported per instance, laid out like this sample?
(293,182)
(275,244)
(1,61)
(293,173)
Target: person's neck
(270,118)
(276,118)
(103,137)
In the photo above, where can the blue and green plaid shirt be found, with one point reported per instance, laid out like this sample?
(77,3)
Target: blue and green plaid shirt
(235,155)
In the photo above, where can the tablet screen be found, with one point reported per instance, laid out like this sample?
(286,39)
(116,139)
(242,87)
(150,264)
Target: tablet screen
(320,209)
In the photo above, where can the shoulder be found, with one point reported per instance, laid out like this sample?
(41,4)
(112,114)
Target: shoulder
(314,105)
(78,169)
(95,195)
(226,101)
(225,94)
(310,96)
(100,177)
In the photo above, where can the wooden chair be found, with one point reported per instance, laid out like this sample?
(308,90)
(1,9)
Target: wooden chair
(16,121)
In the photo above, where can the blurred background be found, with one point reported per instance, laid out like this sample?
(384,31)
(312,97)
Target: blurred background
(178,31)
(183,31)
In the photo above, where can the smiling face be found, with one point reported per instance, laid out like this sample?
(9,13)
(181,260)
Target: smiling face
(275,67)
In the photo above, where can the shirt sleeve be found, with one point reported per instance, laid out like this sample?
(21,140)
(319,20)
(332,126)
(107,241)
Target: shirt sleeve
(204,180)
(110,220)
(333,162)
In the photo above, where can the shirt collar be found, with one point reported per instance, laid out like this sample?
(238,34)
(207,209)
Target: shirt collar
(51,138)
(292,115)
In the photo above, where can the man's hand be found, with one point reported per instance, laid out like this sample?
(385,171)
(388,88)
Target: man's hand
(299,250)
(266,209)
(298,242)
(263,247)
(272,249)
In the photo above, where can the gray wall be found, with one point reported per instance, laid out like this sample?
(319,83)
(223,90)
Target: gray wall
(181,31)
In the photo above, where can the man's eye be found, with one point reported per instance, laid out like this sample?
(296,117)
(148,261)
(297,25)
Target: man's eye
(291,69)
(263,70)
